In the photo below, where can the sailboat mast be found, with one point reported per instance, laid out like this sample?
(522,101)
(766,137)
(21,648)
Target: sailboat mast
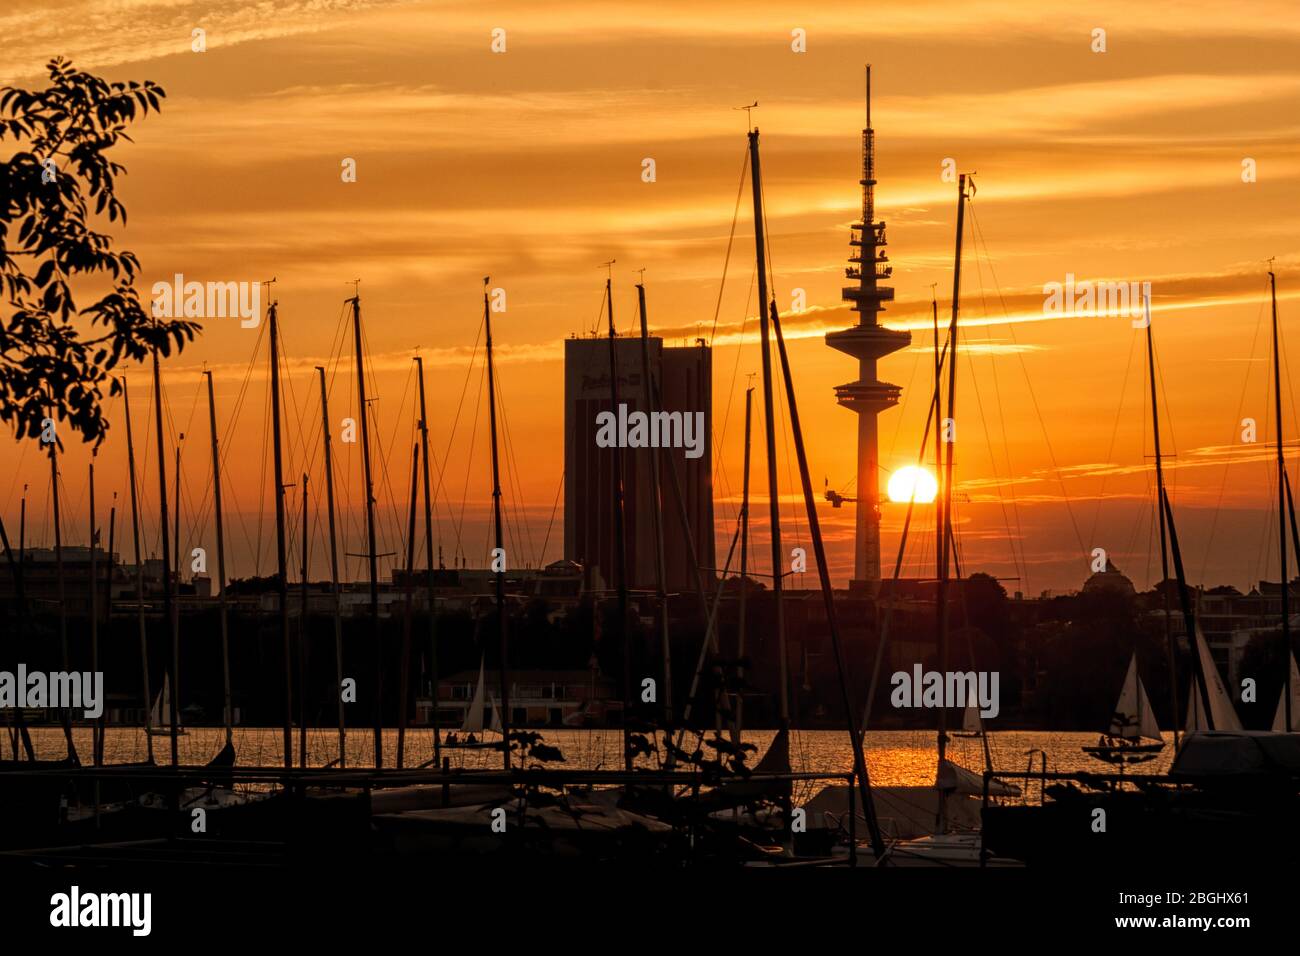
(1167,526)
(773,491)
(334,566)
(102,721)
(303,637)
(94,609)
(1281,503)
(176,577)
(828,597)
(428,577)
(63,604)
(738,721)
(1164,545)
(938,434)
(16,577)
(227,704)
(404,680)
(139,577)
(620,554)
(20,591)
(941,599)
(281,558)
(176,517)
(500,576)
(971,710)
(1295,546)
(169,605)
(656,512)
(1188,616)
(372,549)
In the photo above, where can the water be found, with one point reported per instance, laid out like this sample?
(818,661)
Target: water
(894,757)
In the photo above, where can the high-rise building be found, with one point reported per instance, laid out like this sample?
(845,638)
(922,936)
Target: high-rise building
(685,378)
(868,341)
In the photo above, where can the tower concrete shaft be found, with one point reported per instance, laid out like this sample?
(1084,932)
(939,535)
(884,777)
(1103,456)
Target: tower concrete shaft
(868,341)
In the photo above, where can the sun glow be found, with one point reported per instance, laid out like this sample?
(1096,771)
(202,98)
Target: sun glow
(912,482)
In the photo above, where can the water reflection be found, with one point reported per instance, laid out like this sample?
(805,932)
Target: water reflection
(894,757)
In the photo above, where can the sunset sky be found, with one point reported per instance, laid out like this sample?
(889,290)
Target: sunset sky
(526,166)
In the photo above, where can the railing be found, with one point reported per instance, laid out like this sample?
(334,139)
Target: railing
(1081,776)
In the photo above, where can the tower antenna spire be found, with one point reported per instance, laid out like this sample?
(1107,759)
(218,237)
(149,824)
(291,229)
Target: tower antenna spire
(868,341)
(868,96)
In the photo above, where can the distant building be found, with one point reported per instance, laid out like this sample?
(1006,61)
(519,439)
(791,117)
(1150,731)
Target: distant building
(538,698)
(685,377)
(1230,620)
(40,579)
(1111,580)
(559,584)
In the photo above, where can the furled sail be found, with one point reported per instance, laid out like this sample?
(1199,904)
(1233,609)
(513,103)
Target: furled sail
(1279,718)
(1221,709)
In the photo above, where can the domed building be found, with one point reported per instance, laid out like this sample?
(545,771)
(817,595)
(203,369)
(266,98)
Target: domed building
(1110,580)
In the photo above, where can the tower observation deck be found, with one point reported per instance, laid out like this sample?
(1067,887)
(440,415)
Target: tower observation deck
(868,341)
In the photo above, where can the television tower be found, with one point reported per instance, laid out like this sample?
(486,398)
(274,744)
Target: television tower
(868,341)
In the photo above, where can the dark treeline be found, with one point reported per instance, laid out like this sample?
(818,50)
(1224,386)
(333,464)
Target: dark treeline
(1061,661)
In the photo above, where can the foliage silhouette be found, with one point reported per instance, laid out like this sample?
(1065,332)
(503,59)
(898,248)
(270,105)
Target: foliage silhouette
(49,366)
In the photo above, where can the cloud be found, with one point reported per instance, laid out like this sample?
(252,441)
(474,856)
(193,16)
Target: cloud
(96,35)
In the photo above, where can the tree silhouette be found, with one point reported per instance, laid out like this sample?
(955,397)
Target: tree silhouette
(54,356)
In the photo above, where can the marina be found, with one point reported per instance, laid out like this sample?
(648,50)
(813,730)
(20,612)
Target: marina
(430,578)
(670,796)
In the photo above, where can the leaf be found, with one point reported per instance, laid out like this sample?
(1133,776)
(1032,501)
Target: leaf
(45,273)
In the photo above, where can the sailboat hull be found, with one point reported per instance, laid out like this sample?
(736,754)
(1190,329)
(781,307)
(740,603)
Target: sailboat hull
(1124,755)
(943,850)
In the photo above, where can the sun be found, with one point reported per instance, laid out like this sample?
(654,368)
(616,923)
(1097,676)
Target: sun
(912,482)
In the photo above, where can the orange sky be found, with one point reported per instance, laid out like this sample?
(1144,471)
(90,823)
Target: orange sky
(527,166)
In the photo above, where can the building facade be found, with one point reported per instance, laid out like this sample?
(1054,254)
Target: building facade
(685,378)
